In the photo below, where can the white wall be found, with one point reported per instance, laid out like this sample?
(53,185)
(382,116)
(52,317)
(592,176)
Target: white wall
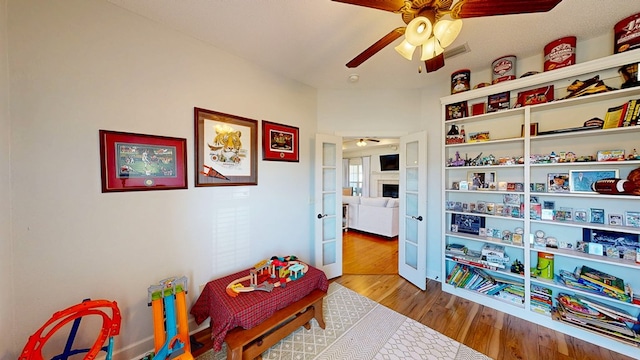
(6,274)
(78,66)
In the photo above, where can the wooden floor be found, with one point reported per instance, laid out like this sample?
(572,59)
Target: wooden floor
(491,332)
(358,250)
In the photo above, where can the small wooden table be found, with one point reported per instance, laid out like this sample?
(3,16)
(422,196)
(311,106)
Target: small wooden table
(252,322)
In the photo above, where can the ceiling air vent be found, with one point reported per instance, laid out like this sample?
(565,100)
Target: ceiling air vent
(458,50)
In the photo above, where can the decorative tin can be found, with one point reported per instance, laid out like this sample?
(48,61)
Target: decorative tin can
(560,53)
(504,69)
(460,81)
(626,34)
(545,265)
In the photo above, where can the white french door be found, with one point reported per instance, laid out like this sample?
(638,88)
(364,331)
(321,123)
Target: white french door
(328,205)
(412,237)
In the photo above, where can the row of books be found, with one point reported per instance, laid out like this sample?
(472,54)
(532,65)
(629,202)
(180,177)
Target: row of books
(623,115)
(541,299)
(476,279)
(595,316)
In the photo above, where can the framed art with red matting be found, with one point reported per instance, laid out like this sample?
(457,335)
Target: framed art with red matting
(135,162)
(280,142)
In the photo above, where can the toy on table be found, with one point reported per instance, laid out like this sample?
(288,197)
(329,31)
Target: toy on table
(110,328)
(168,303)
(269,274)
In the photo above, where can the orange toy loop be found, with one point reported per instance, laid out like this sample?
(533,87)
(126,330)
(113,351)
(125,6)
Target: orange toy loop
(110,327)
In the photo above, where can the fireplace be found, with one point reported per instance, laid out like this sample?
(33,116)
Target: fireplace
(390,190)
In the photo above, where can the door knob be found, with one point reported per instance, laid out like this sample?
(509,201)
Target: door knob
(419,218)
(320,216)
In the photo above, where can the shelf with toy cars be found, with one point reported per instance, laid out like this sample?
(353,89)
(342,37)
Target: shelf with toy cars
(546,168)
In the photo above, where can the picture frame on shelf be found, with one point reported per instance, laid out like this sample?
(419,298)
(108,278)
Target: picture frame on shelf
(541,187)
(581,180)
(468,224)
(616,220)
(280,142)
(632,218)
(533,129)
(596,216)
(540,95)
(137,162)
(226,149)
(580,215)
(478,109)
(479,136)
(499,101)
(558,182)
(479,180)
(457,110)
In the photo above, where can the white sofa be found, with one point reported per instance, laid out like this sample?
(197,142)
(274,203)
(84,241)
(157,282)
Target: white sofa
(379,215)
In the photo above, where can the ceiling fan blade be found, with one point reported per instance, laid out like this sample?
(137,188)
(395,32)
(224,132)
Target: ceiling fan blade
(435,63)
(478,8)
(387,5)
(377,46)
(373,140)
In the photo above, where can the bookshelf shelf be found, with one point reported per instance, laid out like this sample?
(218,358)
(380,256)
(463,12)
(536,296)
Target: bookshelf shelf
(509,141)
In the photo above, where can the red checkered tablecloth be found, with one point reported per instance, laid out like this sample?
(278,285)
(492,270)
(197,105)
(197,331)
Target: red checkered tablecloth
(251,308)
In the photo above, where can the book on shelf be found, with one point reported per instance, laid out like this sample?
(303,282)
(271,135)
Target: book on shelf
(608,310)
(603,279)
(613,116)
(628,117)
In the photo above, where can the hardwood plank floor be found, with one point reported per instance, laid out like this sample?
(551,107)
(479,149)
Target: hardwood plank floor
(491,332)
(359,247)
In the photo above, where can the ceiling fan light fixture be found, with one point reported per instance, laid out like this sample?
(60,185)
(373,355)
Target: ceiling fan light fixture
(405,49)
(361,143)
(431,49)
(418,31)
(446,31)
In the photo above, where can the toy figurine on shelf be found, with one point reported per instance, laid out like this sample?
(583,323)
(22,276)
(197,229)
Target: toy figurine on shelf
(457,162)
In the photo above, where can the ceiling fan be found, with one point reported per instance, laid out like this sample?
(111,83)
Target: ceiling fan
(363,142)
(425,16)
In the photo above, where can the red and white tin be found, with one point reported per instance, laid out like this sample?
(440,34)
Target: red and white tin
(626,34)
(504,69)
(560,53)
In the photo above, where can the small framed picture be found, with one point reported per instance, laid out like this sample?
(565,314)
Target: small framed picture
(481,207)
(455,185)
(533,129)
(481,180)
(502,185)
(472,207)
(457,110)
(581,180)
(464,185)
(597,216)
(615,219)
(632,218)
(497,102)
(541,187)
(580,215)
(454,228)
(558,182)
(479,136)
(516,239)
(482,232)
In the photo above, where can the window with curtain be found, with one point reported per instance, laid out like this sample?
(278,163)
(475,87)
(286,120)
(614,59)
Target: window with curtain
(355,178)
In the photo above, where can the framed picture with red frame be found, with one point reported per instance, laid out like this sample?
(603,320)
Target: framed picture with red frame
(280,142)
(535,96)
(136,162)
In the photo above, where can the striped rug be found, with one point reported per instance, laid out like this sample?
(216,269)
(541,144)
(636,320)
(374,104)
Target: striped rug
(360,328)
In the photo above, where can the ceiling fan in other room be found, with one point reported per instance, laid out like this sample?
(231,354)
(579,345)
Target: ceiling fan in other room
(363,142)
(427,29)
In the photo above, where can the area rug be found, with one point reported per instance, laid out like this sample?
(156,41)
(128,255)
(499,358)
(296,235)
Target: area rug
(360,328)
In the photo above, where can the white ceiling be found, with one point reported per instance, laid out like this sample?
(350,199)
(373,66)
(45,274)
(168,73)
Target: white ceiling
(311,40)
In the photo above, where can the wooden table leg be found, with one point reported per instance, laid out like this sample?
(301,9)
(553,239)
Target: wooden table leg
(318,313)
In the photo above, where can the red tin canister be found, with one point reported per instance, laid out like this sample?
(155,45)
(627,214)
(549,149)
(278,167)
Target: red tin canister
(626,34)
(504,69)
(560,53)
(460,81)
